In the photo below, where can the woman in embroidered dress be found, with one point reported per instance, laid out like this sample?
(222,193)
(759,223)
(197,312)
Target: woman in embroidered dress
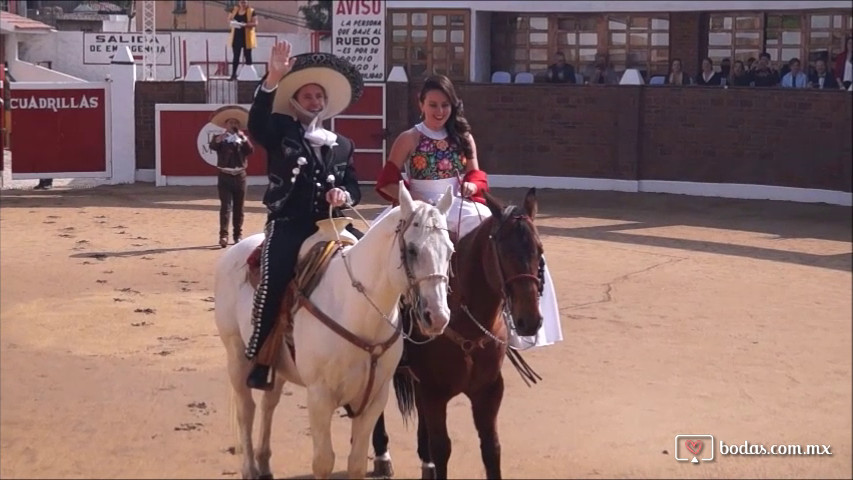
(441,151)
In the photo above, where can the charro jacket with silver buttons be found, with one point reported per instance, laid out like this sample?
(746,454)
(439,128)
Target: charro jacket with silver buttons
(299,196)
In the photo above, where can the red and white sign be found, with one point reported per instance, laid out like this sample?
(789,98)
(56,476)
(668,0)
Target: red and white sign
(364,124)
(183,134)
(183,156)
(358,34)
(60,130)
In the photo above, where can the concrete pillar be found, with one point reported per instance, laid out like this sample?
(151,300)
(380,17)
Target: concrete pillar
(248,74)
(123,117)
(195,74)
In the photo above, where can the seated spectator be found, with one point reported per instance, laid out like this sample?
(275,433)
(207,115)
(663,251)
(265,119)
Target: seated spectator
(600,72)
(750,64)
(786,67)
(844,64)
(708,76)
(676,75)
(795,78)
(822,77)
(763,74)
(725,69)
(560,71)
(739,76)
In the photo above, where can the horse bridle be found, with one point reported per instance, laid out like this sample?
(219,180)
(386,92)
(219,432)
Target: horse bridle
(414,282)
(505,283)
(413,294)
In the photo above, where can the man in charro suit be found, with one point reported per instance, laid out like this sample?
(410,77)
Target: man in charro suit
(309,169)
(232,149)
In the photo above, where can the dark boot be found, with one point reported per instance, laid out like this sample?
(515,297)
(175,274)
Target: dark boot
(259,378)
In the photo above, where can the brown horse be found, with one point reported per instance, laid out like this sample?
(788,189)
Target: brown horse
(497,268)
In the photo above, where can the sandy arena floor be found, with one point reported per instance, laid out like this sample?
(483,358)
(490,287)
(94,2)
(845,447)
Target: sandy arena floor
(681,316)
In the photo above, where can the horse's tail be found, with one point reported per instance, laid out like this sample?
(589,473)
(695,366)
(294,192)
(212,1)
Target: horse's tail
(404,389)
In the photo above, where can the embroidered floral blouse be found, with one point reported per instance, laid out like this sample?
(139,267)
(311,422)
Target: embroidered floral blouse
(435,159)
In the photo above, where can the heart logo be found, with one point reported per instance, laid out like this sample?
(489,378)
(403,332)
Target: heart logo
(695,446)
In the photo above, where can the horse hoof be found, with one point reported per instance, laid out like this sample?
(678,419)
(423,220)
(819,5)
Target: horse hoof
(383,469)
(428,472)
(266,476)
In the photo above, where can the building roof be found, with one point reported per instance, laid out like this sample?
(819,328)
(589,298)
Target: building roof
(84,16)
(11,23)
(98,7)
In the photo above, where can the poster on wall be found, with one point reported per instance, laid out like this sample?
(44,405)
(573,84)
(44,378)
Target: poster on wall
(99,48)
(358,34)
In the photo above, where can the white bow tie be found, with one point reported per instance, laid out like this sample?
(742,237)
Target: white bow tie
(316,135)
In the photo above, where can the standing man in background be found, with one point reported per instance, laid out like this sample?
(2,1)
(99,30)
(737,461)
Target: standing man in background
(232,149)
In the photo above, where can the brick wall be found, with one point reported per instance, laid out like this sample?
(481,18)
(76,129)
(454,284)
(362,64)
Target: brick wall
(763,136)
(246,92)
(795,138)
(684,39)
(149,94)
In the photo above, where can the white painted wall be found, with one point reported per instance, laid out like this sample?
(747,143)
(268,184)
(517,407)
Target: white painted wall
(617,6)
(481,47)
(116,23)
(65,51)
(23,71)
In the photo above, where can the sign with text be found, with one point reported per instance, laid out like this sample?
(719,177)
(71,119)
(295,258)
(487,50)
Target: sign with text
(59,130)
(358,34)
(99,48)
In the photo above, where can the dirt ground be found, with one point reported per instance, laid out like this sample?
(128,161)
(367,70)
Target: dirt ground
(681,315)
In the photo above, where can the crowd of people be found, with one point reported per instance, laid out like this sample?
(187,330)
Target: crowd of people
(822,73)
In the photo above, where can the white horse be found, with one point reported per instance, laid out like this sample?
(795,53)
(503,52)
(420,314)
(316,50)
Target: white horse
(409,249)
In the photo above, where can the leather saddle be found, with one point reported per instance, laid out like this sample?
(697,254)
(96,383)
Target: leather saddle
(314,257)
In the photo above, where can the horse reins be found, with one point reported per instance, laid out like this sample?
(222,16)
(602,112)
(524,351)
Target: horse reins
(375,350)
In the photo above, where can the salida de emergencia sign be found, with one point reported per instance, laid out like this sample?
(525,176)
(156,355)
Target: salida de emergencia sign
(358,34)
(99,48)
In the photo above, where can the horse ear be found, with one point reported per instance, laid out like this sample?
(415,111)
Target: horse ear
(531,205)
(405,200)
(446,201)
(494,205)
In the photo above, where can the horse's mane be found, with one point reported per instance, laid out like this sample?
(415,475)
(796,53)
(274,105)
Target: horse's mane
(526,234)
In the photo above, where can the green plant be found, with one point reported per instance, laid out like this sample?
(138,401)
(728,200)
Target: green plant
(317,14)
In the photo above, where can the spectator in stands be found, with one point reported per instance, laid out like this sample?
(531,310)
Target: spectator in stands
(676,75)
(750,64)
(243,25)
(795,78)
(822,77)
(725,69)
(763,75)
(844,64)
(739,76)
(600,72)
(708,76)
(560,71)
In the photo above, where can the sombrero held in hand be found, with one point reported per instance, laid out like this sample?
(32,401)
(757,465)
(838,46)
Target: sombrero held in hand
(340,79)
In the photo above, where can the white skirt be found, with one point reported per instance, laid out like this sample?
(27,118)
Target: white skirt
(466,215)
